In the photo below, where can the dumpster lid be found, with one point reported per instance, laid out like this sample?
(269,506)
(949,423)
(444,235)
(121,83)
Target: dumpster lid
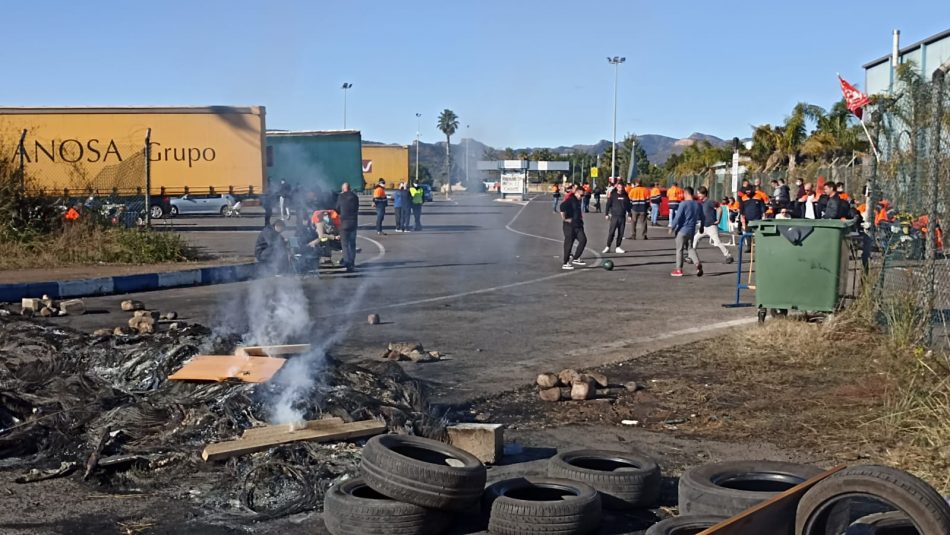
(814,223)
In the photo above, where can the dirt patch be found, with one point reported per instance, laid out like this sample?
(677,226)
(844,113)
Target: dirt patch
(805,387)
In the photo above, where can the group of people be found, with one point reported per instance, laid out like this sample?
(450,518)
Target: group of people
(693,215)
(332,226)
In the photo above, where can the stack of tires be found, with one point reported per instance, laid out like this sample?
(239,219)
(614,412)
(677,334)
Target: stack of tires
(858,499)
(408,486)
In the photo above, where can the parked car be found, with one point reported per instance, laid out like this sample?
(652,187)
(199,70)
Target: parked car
(201,204)
(160,206)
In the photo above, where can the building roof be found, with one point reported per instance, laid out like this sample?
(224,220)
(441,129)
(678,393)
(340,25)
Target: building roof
(310,133)
(907,49)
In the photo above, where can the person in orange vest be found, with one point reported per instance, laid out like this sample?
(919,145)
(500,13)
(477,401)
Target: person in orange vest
(639,202)
(72,215)
(842,194)
(675,196)
(556,194)
(380,202)
(656,199)
(588,192)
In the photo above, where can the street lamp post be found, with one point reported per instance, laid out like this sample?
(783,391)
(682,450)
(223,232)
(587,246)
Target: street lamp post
(344,87)
(615,61)
(418,126)
(468,140)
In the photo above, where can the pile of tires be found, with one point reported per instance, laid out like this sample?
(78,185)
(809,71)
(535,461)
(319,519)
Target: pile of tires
(409,486)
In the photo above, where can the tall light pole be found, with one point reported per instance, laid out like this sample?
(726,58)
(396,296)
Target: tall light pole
(615,61)
(468,140)
(418,126)
(344,87)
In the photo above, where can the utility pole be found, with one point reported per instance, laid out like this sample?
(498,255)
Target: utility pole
(468,140)
(418,126)
(615,61)
(344,87)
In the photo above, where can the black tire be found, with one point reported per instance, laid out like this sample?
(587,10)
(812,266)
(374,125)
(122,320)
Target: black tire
(415,470)
(889,523)
(174,211)
(352,508)
(927,511)
(684,525)
(542,505)
(156,211)
(625,480)
(729,488)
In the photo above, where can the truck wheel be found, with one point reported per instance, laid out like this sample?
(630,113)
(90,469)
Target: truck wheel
(924,507)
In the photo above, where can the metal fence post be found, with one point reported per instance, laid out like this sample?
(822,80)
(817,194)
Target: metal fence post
(21,152)
(148,178)
(937,98)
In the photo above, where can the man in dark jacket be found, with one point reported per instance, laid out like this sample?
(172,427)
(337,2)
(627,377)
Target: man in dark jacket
(271,250)
(834,207)
(348,206)
(618,204)
(572,223)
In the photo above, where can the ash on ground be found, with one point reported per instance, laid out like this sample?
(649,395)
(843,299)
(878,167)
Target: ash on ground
(99,409)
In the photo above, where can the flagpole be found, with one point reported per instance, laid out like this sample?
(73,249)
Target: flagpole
(870,141)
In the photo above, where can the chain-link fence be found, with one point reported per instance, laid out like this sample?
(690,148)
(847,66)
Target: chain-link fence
(97,178)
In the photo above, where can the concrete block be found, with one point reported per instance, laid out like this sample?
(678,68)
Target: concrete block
(484,441)
(29,303)
(73,307)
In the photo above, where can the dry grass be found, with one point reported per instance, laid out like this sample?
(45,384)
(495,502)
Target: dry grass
(91,244)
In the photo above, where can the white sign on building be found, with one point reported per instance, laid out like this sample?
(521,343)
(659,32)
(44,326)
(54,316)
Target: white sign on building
(512,182)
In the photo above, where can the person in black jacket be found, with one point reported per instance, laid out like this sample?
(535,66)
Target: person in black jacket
(618,204)
(834,207)
(572,217)
(348,207)
(271,250)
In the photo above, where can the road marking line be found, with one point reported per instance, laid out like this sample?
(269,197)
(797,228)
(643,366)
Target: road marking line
(381,247)
(525,205)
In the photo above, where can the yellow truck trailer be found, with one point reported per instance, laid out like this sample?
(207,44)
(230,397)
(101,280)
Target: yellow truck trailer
(387,162)
(198,149)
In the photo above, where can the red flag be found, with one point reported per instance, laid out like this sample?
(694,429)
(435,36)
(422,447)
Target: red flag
(854,99)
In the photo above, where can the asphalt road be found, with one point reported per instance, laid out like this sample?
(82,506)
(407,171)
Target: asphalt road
(481,283)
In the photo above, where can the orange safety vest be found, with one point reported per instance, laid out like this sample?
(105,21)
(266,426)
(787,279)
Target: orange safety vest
(675,194)
(379,192)
(317,217)
(656,195)
(72,214)
(844,196)
(760,195)
(734,206)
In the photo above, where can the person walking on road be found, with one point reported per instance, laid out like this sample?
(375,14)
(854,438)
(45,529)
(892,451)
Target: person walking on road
(556,194)
(710,227)
(639,202)
(399,205)
(348,206)
(588,193)
(283,190)
(380,202)
(618,204)
(688,215)
(417,193)
(675,195)
(572,223)
(656,199)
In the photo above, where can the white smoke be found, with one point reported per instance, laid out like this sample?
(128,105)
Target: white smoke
(278,312)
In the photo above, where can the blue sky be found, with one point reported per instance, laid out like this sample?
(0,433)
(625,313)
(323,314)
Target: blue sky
(521,73)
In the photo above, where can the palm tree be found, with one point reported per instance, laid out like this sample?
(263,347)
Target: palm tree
(795,132)
(448,124)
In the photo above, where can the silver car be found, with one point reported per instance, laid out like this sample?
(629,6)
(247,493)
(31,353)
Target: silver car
(202,204)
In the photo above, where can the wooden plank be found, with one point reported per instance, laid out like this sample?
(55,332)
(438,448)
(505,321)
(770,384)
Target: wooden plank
(774,516)
(310,424)
(282,435)
(271,351)
(224,367)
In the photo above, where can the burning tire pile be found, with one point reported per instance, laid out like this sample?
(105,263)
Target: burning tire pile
(100,409)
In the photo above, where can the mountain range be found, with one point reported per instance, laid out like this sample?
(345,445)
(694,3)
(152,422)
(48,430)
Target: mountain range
(431,155)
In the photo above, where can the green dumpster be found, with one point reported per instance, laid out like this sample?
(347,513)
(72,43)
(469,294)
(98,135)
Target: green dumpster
(800,264)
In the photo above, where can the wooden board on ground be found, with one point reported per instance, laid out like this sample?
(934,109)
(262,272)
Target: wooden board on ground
(282,435)
(776,515)
(224,367)
(271,351)
(265,430)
